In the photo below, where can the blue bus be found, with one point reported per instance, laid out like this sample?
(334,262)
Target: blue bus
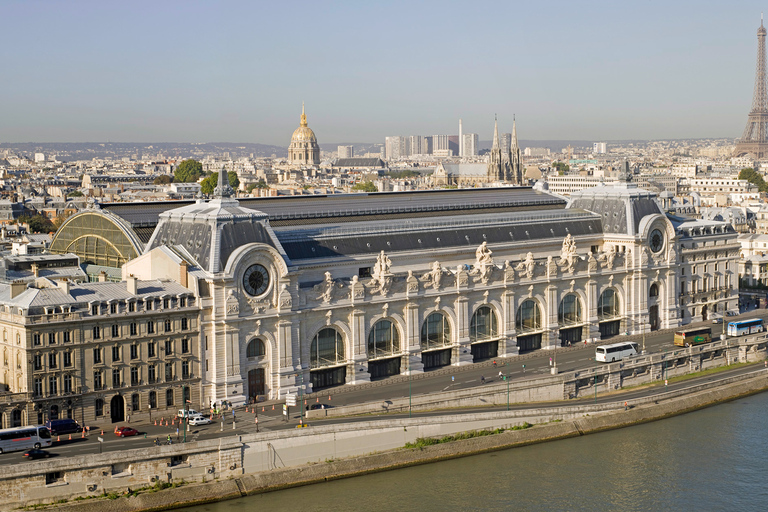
(743,327)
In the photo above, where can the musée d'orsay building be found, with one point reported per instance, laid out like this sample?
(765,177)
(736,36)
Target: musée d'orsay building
(272,294)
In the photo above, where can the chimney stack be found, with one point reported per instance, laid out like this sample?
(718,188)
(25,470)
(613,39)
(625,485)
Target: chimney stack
(133,285)
(102,277)
(183,274)
(64,285)
(36,269)
(17,288)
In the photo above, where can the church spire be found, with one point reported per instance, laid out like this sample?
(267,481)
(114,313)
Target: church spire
(514,133)
(303,115)
(223,189)
(495,132)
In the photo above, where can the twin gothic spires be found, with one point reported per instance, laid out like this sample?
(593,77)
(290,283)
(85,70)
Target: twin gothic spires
(505,167)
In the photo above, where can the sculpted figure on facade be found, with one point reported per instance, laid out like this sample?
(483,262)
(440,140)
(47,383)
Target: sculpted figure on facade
(483,255)
(326,288)
(608,259)
(383,264)
(382,277)
(527,265)
(568,256)
(435,276)
(591,262)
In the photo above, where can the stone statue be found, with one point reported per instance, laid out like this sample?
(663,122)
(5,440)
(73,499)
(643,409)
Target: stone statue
(483,255)
(527,265)
(434,276)
(326,288)
(382,277)
(591,262)
(568,256)
(382,265)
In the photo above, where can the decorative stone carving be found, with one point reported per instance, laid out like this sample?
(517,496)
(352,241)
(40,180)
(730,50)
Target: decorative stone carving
(527,265)
(326,289)
(672,254)
(356,289)
(591,262)
(483,266)
(551,267)
(608,259)
(258,306)
(328,316)
(381,278)
(411,283)
(568,256)
(509,272)
(462,279)
(285,300)
(232,304)
(435,276)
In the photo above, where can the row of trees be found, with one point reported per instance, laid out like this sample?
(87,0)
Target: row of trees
(755,178)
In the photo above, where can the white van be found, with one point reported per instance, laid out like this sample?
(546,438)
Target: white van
(184,412)
(615,352)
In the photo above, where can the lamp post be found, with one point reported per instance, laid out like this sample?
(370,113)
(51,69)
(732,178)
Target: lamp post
(506,366)
(301,397)
(410,395)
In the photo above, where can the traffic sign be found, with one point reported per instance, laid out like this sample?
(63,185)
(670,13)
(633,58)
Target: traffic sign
(290,400)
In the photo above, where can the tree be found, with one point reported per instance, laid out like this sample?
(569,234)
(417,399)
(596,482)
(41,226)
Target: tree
(209,183)
(188,171)
(561,167)
(163,180)
(754,177)
(40,224)
(365,186)
(76,193)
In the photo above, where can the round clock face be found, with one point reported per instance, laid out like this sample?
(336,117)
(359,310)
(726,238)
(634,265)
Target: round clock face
(656,240)
(255,280)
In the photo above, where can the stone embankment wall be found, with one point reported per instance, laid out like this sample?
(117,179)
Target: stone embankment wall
(330,451)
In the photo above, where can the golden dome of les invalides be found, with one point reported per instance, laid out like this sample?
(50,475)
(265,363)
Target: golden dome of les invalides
(304,149)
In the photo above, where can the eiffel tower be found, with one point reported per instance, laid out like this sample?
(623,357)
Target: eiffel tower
(754,141)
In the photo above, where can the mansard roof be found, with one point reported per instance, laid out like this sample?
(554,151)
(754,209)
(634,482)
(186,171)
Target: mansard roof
(621,205)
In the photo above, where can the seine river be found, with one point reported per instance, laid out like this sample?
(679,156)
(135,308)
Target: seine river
(709,460)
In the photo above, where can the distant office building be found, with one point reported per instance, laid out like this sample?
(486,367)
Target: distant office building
(453,144)
(394,147)
(461,139)
(39,157)
(505,141)
(536,152)
(599,148)
(469,144)
(416,145)
(439,143)
(346,151)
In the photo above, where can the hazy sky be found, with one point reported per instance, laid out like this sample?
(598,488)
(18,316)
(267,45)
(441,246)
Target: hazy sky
(186,71)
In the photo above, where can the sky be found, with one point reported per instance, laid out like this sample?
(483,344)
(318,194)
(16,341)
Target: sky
(231,71)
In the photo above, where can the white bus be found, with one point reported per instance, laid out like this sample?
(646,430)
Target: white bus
(615,352)
(24,438)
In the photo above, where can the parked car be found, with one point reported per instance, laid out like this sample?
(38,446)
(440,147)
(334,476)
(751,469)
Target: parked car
(66,426)
(717,320)
(190,413)
(199,420)
(36,453)
(126,431)
(314,407)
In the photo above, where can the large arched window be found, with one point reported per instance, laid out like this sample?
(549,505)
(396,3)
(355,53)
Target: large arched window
(256,348)
(435,332)
(483,325)
(383,340)
(569,311)
(654,291)
(608,305)
(327,348)
(528,316)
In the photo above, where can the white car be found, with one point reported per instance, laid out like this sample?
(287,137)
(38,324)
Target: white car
(190,413)
(199,420)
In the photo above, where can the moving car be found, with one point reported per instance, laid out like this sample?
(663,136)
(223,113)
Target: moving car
(126,431)
(37,453)
(65,426)
(199,420)
(190,413)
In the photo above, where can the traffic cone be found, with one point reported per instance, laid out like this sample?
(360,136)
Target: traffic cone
(305,402)
(58,439)
(102,431)
(317,400)
(329,398)
(70,437)
(155,422)
(273,407)
(82,434)
(262,408)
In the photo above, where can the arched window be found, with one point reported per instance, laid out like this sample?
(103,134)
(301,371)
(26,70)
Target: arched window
(483,325)
(569,311)
(383,340)
(608,305)
(169,398)
(256,348)
(435,332)
(528,316)
(327,348)
(654,291)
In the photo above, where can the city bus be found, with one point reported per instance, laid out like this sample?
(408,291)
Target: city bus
(615,352)
(691,337)
(24,438)
(742,327)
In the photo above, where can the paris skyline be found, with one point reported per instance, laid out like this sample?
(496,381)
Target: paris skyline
(238,72)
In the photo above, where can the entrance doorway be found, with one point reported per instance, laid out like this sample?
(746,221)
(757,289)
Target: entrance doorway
(256,384)
(704,311)
(653,317)
(117,409)
(483,351)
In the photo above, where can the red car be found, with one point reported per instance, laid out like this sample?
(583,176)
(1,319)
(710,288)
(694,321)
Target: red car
(126,431)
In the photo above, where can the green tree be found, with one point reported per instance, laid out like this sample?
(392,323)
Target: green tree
(365,186)
(561,167)
(403,174)
(209,183)
(40,224)
(163,180)
(76,193)
(754,177)
(188,171)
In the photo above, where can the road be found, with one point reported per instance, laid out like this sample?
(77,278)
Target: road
(536,364)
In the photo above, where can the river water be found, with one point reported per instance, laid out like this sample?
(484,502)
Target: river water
(709,460)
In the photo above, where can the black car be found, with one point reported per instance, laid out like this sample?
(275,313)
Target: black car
(37,453)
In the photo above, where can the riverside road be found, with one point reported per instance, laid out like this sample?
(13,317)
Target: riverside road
(536,364)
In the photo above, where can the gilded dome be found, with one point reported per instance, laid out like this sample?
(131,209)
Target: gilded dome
(303,133)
